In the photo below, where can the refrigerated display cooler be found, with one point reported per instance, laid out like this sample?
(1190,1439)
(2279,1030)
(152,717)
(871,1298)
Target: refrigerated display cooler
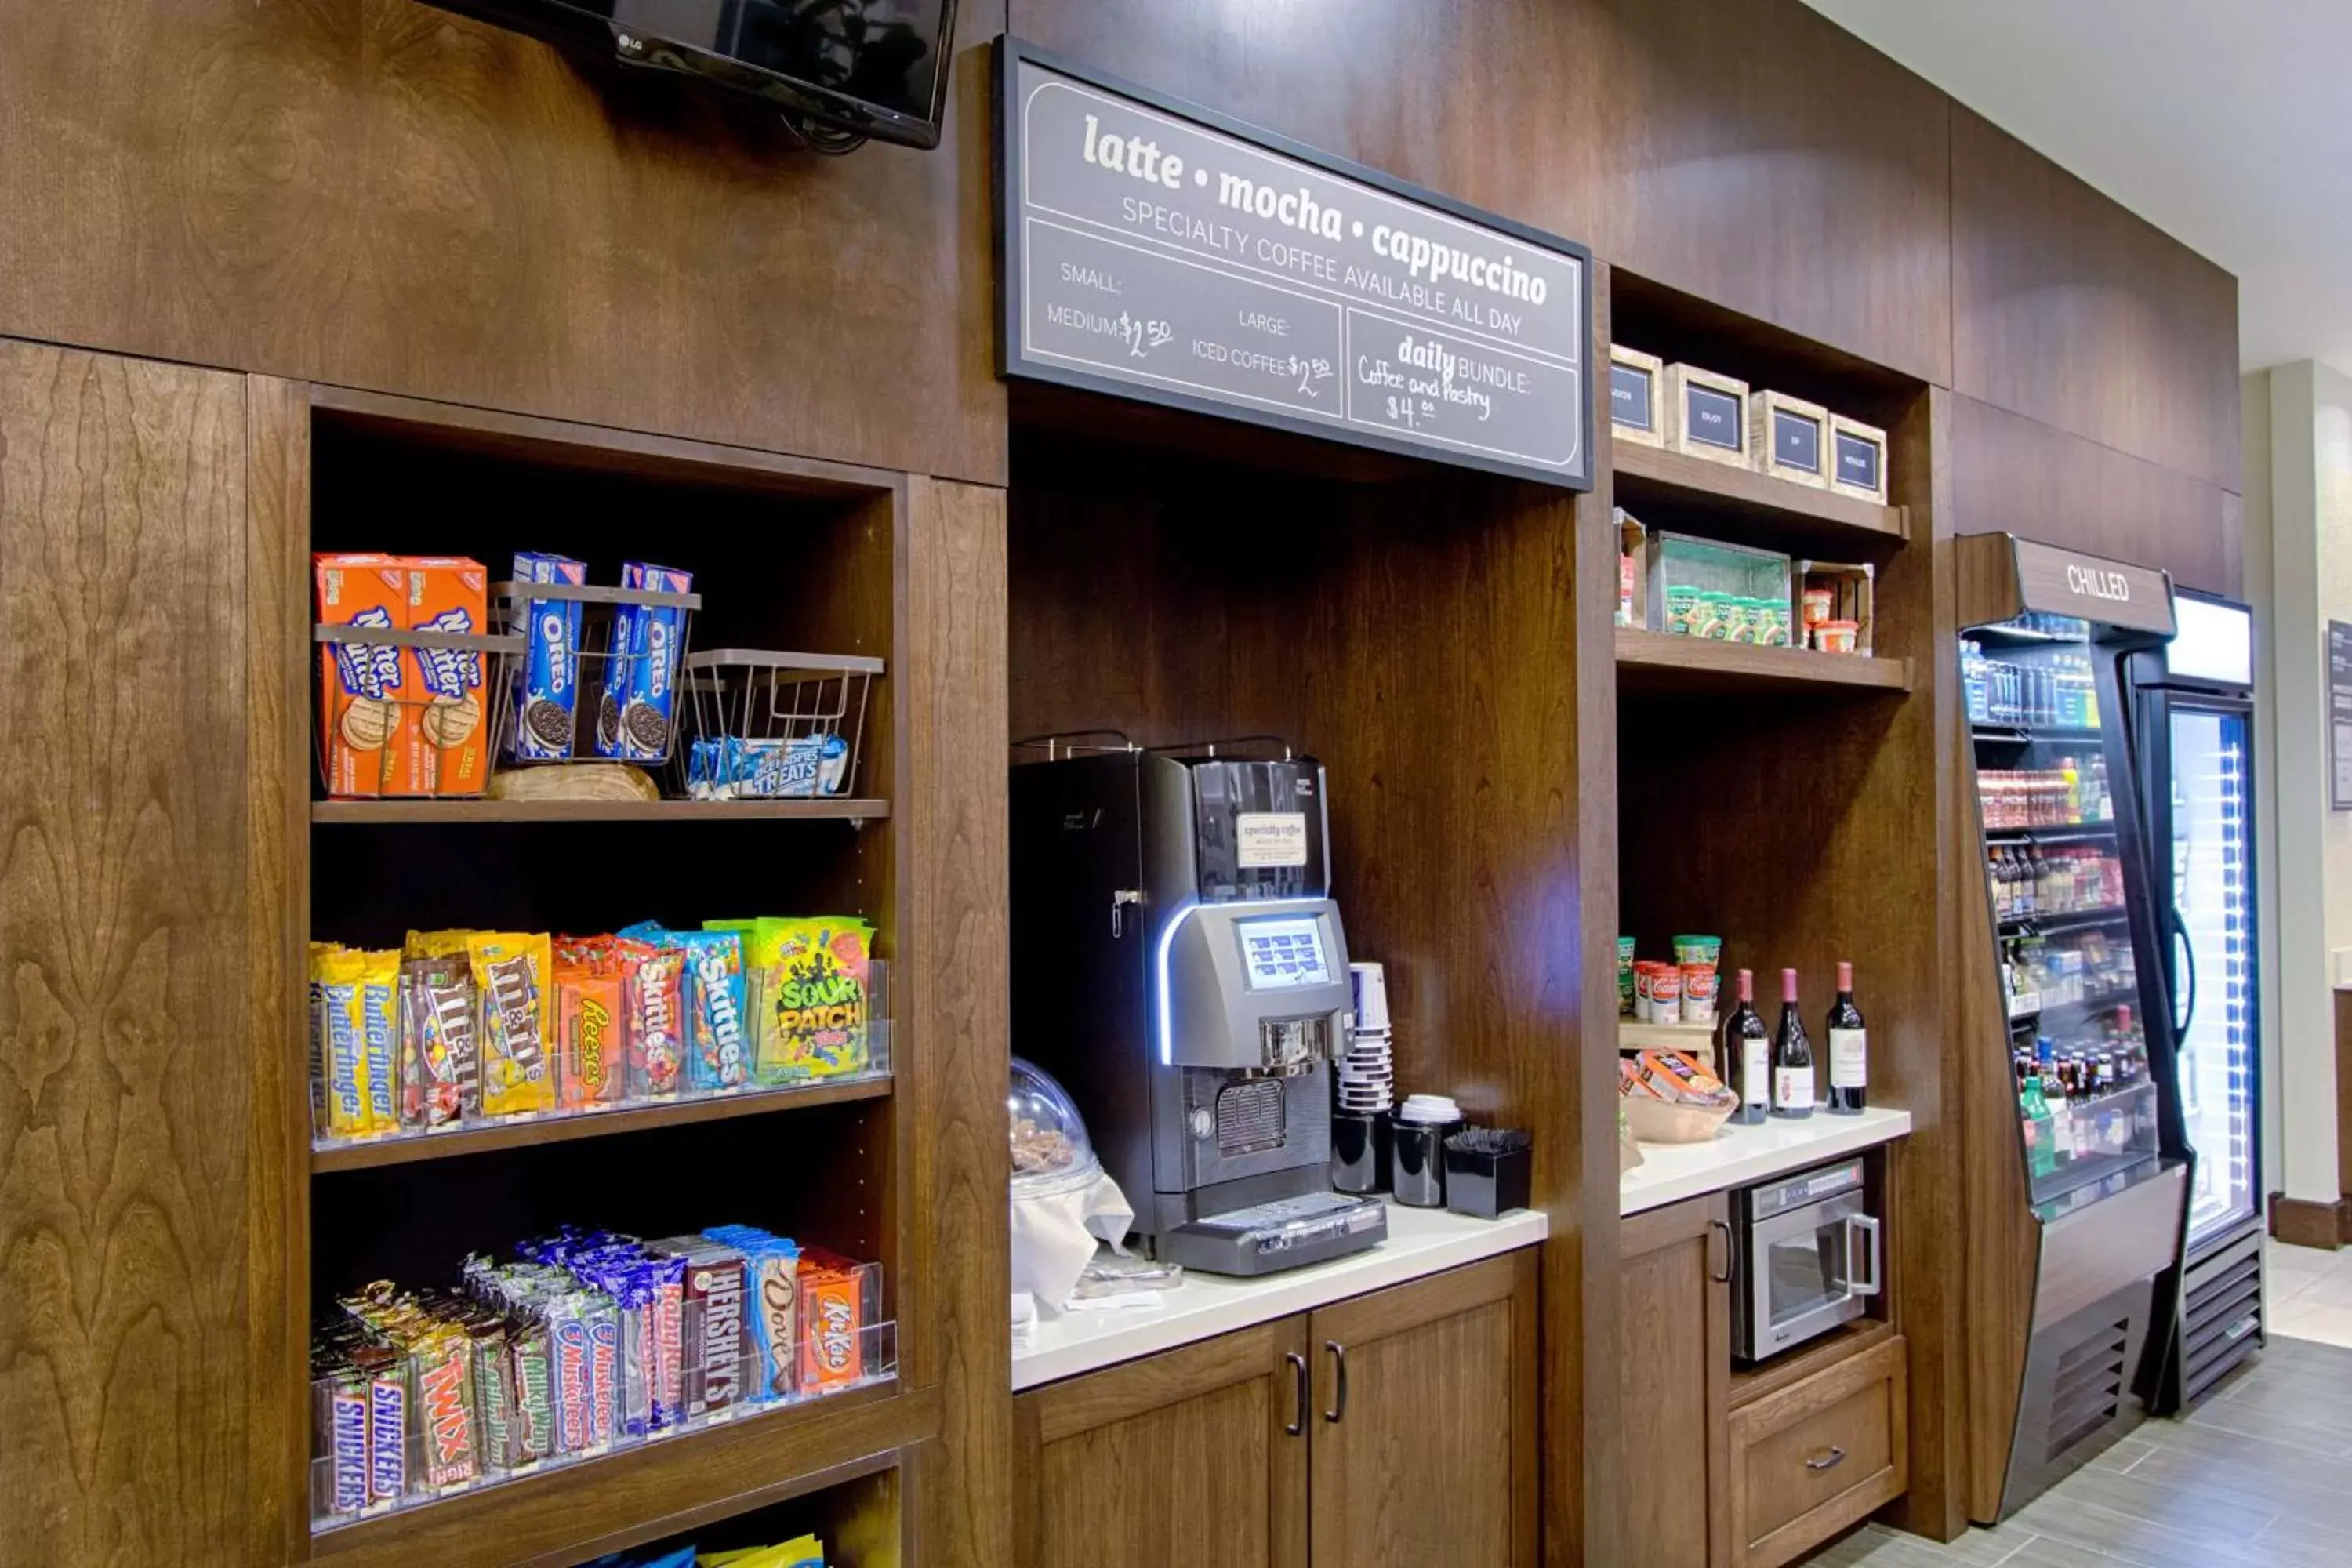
(2192,713)
(2079,987)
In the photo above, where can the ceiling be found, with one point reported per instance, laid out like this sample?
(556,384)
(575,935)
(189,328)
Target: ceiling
(2227,125)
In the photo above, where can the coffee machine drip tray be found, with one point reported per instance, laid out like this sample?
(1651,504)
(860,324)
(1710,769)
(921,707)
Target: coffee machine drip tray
(1288,1232)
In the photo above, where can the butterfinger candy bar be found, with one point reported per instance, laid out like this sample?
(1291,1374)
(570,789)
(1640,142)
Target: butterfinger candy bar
(342,1047)
(379,982)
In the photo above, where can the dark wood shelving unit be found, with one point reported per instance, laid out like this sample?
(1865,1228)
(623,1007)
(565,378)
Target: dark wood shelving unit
(619,1499)
(1674,490)
(323,812)
(1659,661)
(521,1134)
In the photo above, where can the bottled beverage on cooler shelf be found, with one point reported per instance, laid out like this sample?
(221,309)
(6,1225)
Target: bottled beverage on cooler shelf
(1792,1056)
(1746,1055)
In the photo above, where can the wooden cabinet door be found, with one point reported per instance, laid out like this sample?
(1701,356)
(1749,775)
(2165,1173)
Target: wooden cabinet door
(1198,1455)
(1424,1425)
(1676,1367)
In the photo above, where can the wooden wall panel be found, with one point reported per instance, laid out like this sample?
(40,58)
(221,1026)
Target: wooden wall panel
(1753,153)
(2015,475)
(382,194)
(951,821)
(134,1199)
(2068,308)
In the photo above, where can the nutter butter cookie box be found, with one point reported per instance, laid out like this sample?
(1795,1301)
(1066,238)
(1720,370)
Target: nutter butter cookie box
(448,594)
(363,713)
(547,680)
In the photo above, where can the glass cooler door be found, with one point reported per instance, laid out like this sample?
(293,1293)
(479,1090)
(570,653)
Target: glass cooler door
(2212,893)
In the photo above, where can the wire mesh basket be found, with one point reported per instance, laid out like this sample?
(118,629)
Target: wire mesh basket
(410,712)
(610,657)
(771,725)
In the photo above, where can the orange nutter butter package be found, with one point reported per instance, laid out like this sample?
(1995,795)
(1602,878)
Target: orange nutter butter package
(511,975)
(450,745)
(364,717)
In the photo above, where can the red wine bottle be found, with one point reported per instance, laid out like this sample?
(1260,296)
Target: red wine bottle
(1849,1053)
(1792,1056)
(1745,1053)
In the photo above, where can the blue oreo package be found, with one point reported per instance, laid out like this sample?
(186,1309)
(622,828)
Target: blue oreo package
(547,680)
(635,715)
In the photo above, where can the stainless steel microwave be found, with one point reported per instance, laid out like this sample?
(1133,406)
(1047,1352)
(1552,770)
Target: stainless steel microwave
(1805,1258)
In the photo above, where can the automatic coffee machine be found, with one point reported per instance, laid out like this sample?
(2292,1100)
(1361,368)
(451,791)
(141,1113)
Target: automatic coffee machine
(1178,964)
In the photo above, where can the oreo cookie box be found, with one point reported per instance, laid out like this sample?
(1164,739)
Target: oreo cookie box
(547,680)
(634,717)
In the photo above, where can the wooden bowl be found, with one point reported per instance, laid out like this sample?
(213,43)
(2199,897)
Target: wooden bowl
(1657,1122)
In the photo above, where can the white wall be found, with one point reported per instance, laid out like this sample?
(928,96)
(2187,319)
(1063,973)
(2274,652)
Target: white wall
(2306,568)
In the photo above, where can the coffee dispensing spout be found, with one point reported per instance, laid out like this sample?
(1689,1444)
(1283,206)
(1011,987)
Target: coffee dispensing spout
(1288,1046)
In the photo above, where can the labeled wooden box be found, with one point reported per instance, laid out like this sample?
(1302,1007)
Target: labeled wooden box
(1851,590)
(1857,459)
(1635,390)
(1790,438)
(1706,415)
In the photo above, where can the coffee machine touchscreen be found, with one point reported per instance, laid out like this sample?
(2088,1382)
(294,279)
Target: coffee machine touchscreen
(1279,954)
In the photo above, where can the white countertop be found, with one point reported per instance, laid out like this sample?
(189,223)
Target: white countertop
(1735,1156)
(1420,1242)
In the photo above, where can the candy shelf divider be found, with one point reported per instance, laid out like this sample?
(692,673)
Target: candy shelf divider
(1663,661)
(370,1153)
(641,1493)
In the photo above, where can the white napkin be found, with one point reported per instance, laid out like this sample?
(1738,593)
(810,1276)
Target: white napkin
(1053,1237)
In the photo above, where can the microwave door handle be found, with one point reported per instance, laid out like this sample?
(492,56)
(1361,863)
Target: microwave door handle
(1868,1225)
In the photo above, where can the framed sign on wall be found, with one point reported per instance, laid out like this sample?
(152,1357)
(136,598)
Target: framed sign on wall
(1158,250)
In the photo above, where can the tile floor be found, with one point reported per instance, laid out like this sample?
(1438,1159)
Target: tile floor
(2259,1475)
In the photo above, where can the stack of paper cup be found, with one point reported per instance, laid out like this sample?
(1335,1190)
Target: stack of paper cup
(1366,1069)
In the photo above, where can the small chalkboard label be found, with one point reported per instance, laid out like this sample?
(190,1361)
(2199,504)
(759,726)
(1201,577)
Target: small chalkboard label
(1857,461)
(1629,394)
(1712,418)
(1796,440)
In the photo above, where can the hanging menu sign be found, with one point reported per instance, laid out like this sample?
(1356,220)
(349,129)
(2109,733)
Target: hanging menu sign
(2339,715)
(1160,251)
(2110,593)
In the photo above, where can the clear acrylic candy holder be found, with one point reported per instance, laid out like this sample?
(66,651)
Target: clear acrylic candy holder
(866,1063)
(604,673)
(766,725)
(866,1358)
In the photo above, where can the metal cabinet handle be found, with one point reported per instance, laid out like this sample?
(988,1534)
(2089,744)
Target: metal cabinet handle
(1339,1381)
(1724,1277)
(1296,1427)
(1827,1459)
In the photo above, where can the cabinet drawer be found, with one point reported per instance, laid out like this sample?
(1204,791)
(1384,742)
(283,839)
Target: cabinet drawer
(1817,1455)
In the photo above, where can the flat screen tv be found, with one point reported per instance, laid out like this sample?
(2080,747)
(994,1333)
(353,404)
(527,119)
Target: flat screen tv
(860,67)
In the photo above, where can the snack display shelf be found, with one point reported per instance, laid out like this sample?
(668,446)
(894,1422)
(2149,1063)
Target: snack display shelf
(2079,833)
(1655,476)
(535,1512)
(2025,735)
(2058,925)
(1662,661)
(514,1132)
(820,808)
(2030,1009)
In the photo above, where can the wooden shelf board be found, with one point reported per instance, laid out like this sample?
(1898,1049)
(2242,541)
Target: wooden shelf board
(1636,1036)
(592,1124)
(833,809)
(641,1493)
(1740,502)
(1751,1383)
(1659,660)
